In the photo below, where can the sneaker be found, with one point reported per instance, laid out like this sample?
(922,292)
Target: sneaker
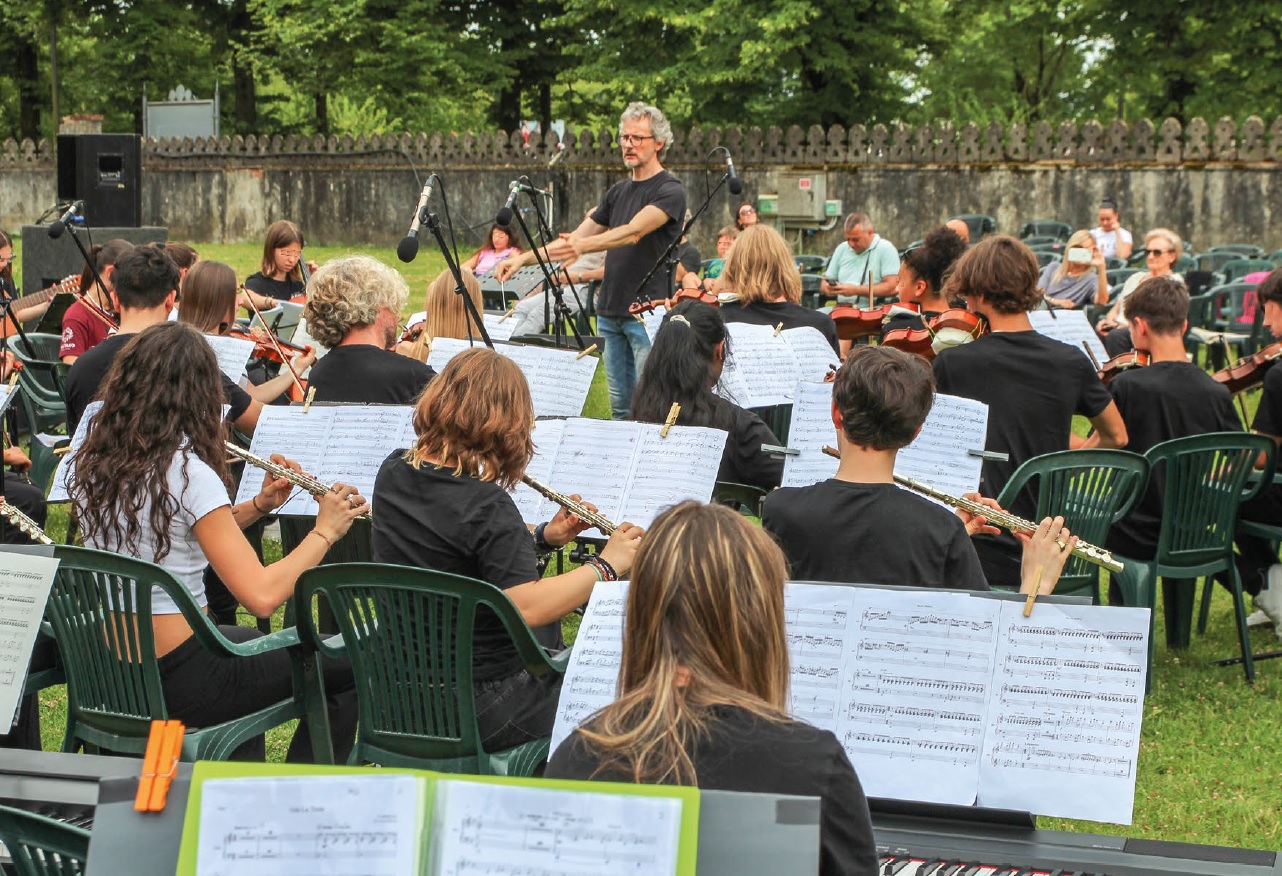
(1257,618)
(1269,600)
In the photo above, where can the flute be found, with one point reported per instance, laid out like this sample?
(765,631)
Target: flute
(1004,519)
(25,524)
(275,469)
(578,509)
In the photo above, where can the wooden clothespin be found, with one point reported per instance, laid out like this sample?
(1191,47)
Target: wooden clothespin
(829,450)
(508,314)
(13,378)
(307,402)
(1030,598)
(778,329)
(671,420)
(591,348)
(159,765)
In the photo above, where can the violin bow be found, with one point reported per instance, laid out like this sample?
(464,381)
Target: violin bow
(271,337)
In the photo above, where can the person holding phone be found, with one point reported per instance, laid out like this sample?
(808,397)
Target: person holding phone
(1080,279)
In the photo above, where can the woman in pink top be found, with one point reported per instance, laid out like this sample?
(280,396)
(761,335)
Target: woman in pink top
(499,244)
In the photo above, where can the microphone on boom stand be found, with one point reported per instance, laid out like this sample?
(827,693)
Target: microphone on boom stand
(734,184)
(407,249)
(57,227)
(504,215)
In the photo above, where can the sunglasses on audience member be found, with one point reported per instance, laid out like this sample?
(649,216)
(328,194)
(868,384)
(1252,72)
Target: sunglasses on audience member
(1158,252)
(747,211)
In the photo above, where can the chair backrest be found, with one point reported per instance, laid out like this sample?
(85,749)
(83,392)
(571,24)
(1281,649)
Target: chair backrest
(1092,489)
(1046,258)
(809,263)
(409,635)
(100,609)
(1113,263)
(1050,227)
(1240,267)
(1213,261)
(1275,257)
(978,223)
(1203,479)
(1244,250)
(41,846)
(1118,276)
(42,371)
(1041,240)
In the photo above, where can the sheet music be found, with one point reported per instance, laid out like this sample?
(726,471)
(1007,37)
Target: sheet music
(1072,327)
(518,830)
(593,673)
(303,338)
(818,620)
(559,380)
(233,355)
(595,459)
(1067,707)
(333,443)
(328,825)
(761,368)
(915,704)
(7,396)
(940,456)
(25,581)
(810,429)
(815,356)
(547,436)
(654,320)
(500,329)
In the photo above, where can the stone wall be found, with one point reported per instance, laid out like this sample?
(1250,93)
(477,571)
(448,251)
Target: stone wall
(1213,184)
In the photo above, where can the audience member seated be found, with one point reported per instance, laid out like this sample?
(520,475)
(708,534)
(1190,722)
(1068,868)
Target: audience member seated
(1081,278)
(1162,249)
(353,310)
(725,239)
(1113,240)
(746,216)
(499,244)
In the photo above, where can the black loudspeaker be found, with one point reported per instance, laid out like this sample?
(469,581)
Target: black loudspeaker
(104,171)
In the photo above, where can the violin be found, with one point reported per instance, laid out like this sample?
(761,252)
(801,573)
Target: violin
(264,348)
(956,326)
(1246,373)
(853,322)
(637,308)
(1123,362)
(911,340)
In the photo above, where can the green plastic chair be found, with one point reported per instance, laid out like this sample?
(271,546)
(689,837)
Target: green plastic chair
(1243,250)
(351,548)
(1275,257)
(1046,228)
(1092,489)
(408,633)
(1238,268)
(808,263)
(1205,480)
(743,498)
(41,846)
(1214,261)
(100,608)
(980,224)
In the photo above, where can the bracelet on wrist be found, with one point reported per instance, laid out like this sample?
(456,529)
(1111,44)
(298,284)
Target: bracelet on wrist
(596,570)
(603,568)
(321,536)
(541,544)
(254,501)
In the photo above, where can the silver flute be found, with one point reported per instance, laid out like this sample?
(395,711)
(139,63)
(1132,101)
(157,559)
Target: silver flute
(578,509)
(25,524)
(298,479)
(1004,519)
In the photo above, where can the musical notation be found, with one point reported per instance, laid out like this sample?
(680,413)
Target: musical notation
(954,753)
(559,380)
(232,354)
(25,581)
(927,625)
(591,679)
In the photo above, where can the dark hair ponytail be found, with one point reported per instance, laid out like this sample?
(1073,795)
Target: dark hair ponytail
(935,256)
(679,369)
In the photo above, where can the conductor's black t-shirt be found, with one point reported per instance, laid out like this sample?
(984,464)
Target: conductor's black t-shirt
(871,534)
(625,266)
(364,374)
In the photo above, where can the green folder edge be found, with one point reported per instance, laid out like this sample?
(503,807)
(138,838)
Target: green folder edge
(687,844)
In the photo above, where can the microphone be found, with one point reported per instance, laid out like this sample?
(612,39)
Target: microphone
(57,227)
(504,215)
(735,184)
(407,249)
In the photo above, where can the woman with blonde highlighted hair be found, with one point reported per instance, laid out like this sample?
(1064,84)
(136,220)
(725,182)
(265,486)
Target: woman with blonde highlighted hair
(445,314)
(703,686)
(760,270)
(444,504)
(1081,278)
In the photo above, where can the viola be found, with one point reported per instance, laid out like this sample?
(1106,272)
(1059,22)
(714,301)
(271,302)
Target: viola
(954,327)
(637,308)
(266,345)
(1123,362)
(910,340)
(1246,373)
(854,322)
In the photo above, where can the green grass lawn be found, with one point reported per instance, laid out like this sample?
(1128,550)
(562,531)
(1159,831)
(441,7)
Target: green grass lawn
(1210,767)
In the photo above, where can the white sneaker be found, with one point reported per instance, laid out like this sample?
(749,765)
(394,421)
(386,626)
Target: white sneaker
(1257,618)
(1269,600)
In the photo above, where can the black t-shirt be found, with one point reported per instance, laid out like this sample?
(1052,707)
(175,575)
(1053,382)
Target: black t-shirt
(1159,402)
(773,313)
(1268,416)
(364,374)
(742,752)
(281,290)
(90,370)
(431,519)
(871,534)
(688,256)
(625,266)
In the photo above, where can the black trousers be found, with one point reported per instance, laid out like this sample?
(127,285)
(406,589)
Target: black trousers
(202,689)
(1255,554)
(518,709)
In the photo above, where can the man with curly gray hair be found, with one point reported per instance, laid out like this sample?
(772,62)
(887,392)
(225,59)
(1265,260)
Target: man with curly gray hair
(353,309)
(634,225)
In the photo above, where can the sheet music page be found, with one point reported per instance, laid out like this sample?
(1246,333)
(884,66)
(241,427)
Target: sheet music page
(1064,728)
(58,489)
(939,456)
(519,830)
(303,338)
(445,349)
(332,825)
(592,676)
(654,320)
(233,354)
(25,581)
(500,329)
(670,470)
(916,700)
(766,363)
(818,620)
(1072,327)
(360,439)
(815,356)
(8,394)
(559,380)
(298,435)
(811,428)
(595,459)
(533,507)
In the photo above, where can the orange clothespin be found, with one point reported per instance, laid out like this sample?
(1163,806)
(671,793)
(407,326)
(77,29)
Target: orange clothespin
(159,765)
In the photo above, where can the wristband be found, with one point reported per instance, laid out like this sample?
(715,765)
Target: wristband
(603,568)
(321,536)
(254,501)
(595,570)
(541,545)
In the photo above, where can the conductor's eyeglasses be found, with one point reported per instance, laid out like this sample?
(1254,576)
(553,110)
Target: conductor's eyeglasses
(634,139)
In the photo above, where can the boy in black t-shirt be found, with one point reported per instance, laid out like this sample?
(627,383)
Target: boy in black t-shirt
(1257,557)
(859,526)
(1169,398)
(1033,385)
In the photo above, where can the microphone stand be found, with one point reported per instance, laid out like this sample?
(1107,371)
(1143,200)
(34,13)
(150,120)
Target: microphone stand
(84,253)
(433,223)
(669,257)
(561,313)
